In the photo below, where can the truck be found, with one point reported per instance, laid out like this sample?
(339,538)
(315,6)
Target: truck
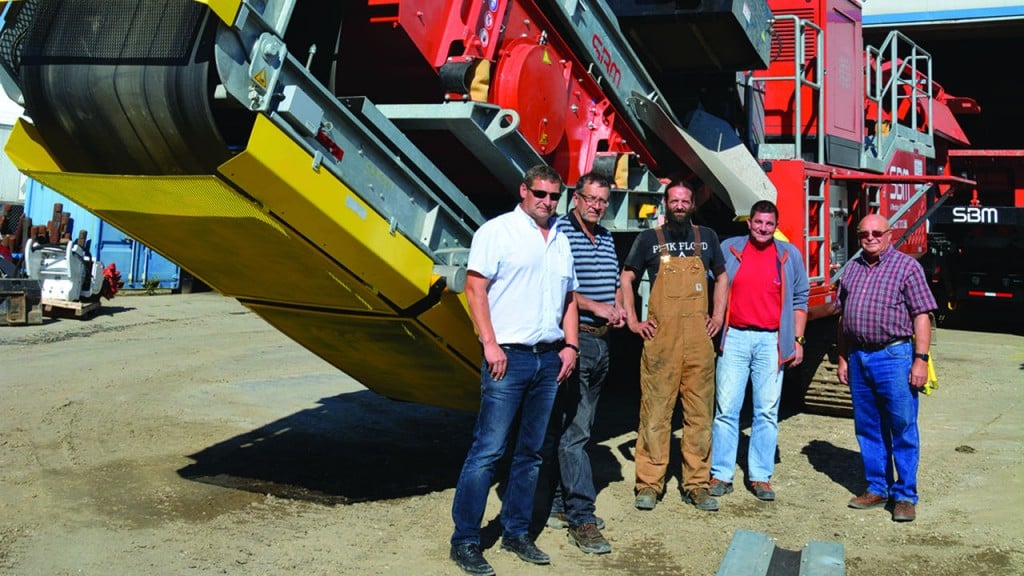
(975,239)
(975,235)
(326,164)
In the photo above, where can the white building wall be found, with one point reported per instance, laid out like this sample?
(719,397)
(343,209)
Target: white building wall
(909,12)
(11,190)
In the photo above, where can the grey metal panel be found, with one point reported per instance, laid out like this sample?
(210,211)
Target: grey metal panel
(842,152)
(379,164)
(749,554)
(705,36)
(731,173)
(822,559)
(486,130)
(403,183)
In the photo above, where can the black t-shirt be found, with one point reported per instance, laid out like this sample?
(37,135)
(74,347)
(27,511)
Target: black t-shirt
(646,253)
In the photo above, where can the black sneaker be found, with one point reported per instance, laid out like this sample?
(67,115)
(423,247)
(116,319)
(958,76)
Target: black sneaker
(524,547)
(470,559)
(701,499)
(589,539)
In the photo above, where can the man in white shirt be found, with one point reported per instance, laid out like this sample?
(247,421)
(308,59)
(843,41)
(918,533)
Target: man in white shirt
(520,290)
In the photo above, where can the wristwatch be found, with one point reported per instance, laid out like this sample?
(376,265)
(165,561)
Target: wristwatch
(573,346)
(921,356)
(801,340)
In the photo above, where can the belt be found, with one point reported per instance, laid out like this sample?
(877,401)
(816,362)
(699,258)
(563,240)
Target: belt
(869,347)
(538,348)
(595,330)
(754,328)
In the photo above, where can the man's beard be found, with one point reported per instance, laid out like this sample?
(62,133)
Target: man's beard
(675,221)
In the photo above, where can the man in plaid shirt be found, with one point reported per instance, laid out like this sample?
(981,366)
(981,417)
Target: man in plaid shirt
(884,337)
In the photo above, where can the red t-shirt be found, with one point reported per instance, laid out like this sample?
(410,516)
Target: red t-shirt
(756,299)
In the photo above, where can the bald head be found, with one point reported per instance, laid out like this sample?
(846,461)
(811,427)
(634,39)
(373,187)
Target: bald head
(874,234)
(873,221)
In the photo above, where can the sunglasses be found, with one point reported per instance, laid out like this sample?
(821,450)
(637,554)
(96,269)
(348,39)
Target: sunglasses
(871,233)
(541,194)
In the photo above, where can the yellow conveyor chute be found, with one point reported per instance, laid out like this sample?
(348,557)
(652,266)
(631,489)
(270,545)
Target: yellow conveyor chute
(300,249)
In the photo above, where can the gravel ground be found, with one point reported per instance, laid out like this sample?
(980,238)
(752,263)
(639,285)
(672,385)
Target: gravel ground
(182,435)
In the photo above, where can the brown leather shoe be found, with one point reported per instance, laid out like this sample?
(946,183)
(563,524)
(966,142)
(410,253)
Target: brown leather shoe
(903,511)
(867,500)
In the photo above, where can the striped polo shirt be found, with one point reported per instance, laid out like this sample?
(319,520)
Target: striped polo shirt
(596,264)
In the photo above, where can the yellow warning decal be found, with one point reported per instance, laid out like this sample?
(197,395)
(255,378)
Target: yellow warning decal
(547,57)
(261,78)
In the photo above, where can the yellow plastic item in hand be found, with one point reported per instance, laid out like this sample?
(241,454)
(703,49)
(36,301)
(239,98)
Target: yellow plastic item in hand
(933,380)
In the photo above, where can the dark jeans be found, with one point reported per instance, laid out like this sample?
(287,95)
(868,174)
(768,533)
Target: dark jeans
(565,455)
(527,391)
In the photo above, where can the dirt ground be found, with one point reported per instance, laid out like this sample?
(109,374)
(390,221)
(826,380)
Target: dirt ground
(182,435)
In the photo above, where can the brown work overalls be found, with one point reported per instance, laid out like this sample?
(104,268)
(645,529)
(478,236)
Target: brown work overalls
(678,362)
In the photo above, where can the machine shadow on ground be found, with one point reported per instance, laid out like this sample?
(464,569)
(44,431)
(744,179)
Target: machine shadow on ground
(360,446)
(354,447)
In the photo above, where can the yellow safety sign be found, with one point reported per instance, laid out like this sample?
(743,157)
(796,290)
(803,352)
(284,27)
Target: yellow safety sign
(261,78)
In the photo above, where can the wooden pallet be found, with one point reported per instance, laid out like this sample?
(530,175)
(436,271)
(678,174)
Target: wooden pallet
(64,308)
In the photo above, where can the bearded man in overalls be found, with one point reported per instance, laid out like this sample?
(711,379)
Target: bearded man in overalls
(678,358)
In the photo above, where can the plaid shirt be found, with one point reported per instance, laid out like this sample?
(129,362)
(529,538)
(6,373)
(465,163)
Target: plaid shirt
(879,302)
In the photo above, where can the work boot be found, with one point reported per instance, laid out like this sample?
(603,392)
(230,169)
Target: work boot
(470,559)
(720,488)
(867,500)
(763,491)
(646,499)
(559,521)
(903,511)
(589,539)
(701,499)
(527,551)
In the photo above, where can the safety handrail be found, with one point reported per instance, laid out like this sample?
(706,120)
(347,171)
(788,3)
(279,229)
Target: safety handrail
(801,31)
(897,71)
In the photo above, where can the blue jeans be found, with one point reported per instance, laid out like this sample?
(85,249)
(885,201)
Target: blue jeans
(527,392)
(569,430)
(885,419)
(753,355)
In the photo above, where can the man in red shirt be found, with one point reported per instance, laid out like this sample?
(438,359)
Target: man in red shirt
(764,327)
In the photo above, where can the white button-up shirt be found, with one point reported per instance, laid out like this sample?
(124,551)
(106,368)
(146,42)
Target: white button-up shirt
(529,277)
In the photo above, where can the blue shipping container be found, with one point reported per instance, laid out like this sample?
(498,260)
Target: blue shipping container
(138,264)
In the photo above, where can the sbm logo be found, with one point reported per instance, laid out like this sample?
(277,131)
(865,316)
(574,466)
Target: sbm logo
(899,192)
(975,215)
(604,57)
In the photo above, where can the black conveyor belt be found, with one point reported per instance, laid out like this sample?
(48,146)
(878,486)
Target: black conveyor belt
(121,87)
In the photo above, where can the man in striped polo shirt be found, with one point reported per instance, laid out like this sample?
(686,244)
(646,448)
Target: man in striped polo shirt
(567,464)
